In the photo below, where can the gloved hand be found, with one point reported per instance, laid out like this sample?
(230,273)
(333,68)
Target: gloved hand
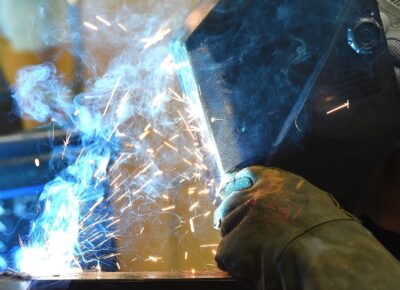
(280,232)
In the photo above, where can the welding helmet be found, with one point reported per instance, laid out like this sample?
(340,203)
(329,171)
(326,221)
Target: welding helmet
(306,86)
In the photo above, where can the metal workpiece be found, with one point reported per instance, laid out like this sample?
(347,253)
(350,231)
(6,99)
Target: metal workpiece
(306,86)
(140,280)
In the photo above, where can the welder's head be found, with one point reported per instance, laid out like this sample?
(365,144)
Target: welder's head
(306,86)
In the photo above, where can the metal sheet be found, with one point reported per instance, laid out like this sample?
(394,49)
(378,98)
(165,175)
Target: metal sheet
(138,280)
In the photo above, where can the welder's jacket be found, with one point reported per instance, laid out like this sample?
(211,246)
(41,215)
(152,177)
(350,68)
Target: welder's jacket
(284,233)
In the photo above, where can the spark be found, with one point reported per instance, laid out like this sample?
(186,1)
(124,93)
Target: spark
(126,207)
(345,105)
(122,27)
(113,223)
(214,252)
(209,246)
(169,208)
(109,256)
(96,237)
(167,62)
(196,176)
(158,132)
(101,19)
(96,204)
(207,214)
(146,132)
(187,125)
(144,135)
(191,225)
(159,148)
(193,206)
(112,95)
(121,197)
(102,167)
(122,106)
(193,271)
(176,97)
(187,161)
(213,120)
(165,196)
(186,255)
(173,137)
(205,191)
(198,155)
(66,143)
(116,179)
(76,113)
(79,156)
(112,132)
(141,231)
(158,173)
(116,163)
(188,150)
(153,259)
(143,170)
(90,25)
(52,125)
(156,38)
(103,242)
(142,187)
(170,146)
(37,162)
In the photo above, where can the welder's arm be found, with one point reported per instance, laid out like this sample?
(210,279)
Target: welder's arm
(281,232)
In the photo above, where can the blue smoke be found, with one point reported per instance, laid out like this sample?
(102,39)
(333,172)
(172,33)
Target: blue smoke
(39,88)
(123,145)
(66,202)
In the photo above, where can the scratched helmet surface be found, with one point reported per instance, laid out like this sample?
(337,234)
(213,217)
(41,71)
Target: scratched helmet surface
(307,86)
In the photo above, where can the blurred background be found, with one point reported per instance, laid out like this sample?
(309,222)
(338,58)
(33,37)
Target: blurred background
(64,33)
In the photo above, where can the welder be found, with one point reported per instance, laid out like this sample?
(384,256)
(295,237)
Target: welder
(281,232)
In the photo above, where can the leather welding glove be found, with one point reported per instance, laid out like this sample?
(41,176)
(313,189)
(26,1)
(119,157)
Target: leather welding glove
(281,232)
